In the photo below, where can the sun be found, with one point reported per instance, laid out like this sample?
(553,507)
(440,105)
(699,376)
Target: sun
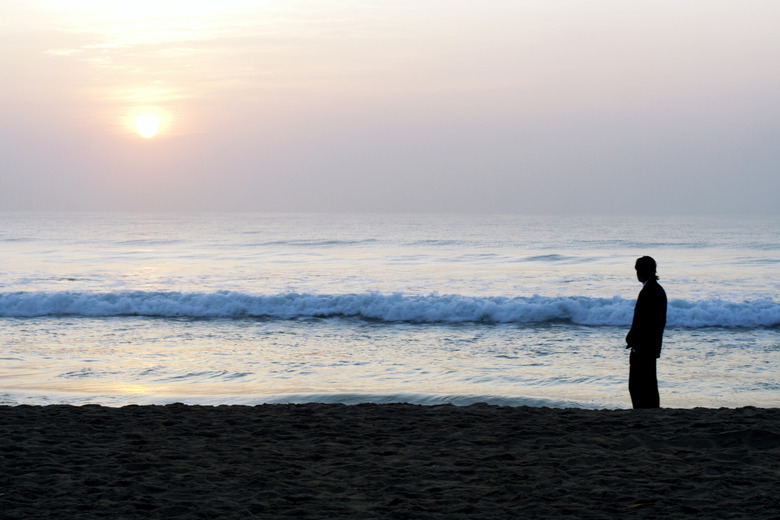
(147,125)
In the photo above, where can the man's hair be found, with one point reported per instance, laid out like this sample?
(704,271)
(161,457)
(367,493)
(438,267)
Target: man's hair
(646,266)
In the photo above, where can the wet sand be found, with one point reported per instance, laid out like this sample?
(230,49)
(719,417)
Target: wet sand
(317,461)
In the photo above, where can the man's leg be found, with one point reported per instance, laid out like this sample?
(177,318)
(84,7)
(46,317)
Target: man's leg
(642,382)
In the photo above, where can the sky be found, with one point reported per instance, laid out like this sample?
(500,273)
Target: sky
(613,107)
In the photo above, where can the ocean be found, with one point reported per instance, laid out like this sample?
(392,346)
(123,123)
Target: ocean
(119,309)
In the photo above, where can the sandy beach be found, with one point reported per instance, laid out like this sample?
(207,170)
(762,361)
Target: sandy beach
(387,461)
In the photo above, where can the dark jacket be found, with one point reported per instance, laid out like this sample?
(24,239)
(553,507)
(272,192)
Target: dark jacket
(647,328)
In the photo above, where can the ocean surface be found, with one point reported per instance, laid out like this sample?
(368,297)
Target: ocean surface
(119,309)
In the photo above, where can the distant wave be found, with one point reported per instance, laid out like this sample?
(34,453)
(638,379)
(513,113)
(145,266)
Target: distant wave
(313,243)
(434,308)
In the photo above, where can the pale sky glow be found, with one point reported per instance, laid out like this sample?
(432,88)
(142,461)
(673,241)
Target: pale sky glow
(597,107)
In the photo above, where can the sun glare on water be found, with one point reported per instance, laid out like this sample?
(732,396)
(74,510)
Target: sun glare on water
(147,125)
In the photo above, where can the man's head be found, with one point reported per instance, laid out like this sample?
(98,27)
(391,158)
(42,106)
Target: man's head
(645,269)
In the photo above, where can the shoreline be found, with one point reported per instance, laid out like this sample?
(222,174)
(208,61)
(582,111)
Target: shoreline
(340,398)
(387,461)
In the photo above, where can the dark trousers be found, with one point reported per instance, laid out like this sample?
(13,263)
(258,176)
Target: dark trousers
(642,382)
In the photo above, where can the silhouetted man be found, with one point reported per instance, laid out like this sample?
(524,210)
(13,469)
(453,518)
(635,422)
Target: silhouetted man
(644,338)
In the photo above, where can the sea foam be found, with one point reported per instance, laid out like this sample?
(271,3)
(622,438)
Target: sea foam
(433,308)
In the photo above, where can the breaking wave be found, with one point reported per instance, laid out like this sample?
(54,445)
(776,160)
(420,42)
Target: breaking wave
(434,308)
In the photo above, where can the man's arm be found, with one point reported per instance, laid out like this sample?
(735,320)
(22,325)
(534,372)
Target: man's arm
(638,324)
